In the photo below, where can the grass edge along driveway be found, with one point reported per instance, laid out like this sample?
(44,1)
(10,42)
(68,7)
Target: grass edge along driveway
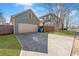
(65,33)
(9,46)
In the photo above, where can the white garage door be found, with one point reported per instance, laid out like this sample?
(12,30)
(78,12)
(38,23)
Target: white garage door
(22,28)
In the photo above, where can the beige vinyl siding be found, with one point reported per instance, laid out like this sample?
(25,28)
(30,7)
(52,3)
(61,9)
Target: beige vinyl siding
(23,28)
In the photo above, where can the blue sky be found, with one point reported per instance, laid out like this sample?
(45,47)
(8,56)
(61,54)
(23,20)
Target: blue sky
(9,9)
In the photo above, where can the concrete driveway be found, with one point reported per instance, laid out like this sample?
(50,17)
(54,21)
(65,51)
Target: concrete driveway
(38,44)
(59,45)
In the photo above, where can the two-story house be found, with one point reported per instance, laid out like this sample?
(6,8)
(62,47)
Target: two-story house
(51,20)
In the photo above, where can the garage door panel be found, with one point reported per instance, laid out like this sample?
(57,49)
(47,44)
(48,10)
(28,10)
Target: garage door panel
(22,28)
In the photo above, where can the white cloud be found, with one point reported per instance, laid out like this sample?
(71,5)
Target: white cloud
(73,12)
(29,5)
(7,19)
(39,8)
(74,15)
(25,5)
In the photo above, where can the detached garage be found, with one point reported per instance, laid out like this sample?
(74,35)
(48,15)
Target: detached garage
(22,28)
(25,22)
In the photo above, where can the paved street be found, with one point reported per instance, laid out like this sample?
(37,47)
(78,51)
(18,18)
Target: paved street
(57,45)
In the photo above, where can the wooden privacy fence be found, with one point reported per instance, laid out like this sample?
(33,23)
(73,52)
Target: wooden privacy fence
(49,29)
(6,29)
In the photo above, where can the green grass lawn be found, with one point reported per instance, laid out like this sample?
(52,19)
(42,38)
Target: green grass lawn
(67,33)
(9,46)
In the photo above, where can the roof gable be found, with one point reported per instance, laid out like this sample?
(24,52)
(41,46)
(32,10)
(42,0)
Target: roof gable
(27,11)
(48,15)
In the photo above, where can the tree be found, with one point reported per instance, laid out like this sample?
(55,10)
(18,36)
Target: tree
(61,12)
(2,19)
(58,10)
(51,9)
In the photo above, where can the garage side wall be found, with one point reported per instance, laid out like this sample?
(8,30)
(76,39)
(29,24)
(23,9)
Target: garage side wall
(26,18)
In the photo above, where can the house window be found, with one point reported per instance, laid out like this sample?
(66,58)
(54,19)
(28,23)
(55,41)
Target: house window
(47,18)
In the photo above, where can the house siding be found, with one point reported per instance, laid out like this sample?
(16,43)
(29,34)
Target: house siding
(25,18)
(54,21)
(50,20)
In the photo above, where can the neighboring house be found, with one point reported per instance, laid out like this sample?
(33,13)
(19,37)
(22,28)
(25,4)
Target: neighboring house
(51,20)
(73,28)
(24,22)
(12,20)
